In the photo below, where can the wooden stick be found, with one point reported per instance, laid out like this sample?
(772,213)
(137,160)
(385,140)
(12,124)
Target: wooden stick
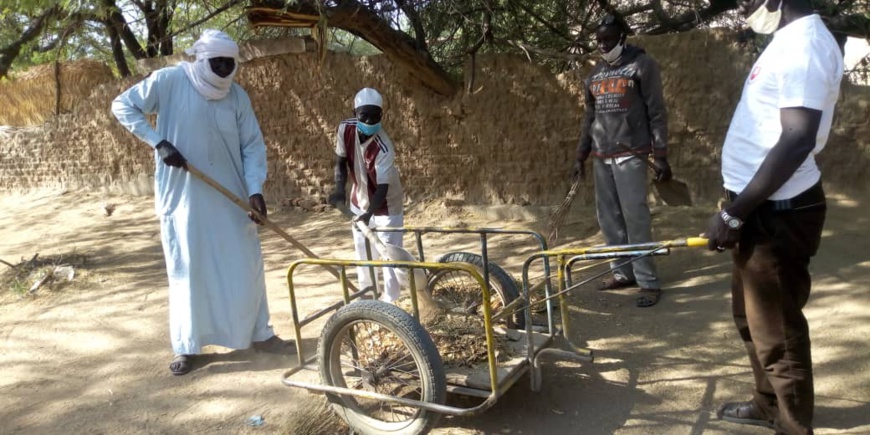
(266,222)
(10,265)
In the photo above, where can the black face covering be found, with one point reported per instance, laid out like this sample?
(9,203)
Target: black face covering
(222,66)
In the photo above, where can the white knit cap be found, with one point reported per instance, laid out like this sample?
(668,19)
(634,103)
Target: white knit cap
(367,97)
(214,43)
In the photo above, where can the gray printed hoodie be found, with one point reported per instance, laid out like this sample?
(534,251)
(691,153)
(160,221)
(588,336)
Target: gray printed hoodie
(624,105)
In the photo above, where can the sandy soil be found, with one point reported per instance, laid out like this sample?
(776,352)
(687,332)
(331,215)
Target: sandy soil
(92,357)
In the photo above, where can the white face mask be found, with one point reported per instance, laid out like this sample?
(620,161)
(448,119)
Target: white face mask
(763,21)
(612,55)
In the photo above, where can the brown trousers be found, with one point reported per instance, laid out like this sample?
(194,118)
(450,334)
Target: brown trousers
(769,288)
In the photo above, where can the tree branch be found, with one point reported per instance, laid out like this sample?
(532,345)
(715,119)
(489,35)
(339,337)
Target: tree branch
(546,23)
(211,15)
(117,50)
(689,19)
(37,25)
(116,18)
(856,25)
(361,21)
(414,18)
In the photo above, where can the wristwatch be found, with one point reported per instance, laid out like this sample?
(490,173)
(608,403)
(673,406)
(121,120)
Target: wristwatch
(733,222)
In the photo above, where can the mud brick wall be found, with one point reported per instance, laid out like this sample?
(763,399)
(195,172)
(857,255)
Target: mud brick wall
(510,140)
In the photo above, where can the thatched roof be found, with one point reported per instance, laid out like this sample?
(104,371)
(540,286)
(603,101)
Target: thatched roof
(268,13)
(31,96)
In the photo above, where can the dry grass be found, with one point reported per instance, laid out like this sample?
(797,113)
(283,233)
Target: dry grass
(461,340)
(558,216)
(459,337)
(29,98)
(315,417)
(18,279)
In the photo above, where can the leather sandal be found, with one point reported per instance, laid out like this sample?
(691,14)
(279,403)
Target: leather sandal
(614,283)
(181,365)
(648,297)
(744,413)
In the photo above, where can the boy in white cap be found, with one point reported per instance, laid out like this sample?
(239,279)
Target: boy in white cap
(217,288)
(362,146)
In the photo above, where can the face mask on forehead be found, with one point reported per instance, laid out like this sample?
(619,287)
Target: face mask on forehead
(763,21)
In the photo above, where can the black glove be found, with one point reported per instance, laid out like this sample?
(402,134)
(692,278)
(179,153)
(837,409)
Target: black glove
(257,203)
(365,217)
(579,170)
(337,198)
(664,173)
(170,155)
(719,236)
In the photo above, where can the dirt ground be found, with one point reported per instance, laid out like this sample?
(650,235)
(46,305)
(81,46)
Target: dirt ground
(93,357)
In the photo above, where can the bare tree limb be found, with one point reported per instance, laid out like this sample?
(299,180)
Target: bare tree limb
(116,19)
(229,4)
(545,22)
(117,50)
(8,264)
(414,18)
(353,17)
(690,19)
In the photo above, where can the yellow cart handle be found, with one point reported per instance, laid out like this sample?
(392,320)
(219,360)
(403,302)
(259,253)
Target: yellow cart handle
(696,242)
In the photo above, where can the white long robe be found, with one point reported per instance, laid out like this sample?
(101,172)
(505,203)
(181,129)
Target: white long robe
(217,289)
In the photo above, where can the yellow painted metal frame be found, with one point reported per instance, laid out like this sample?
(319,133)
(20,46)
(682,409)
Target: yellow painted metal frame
(565,258)
(492,366)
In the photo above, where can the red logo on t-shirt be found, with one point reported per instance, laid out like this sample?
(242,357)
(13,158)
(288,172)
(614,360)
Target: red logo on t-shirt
(754,73)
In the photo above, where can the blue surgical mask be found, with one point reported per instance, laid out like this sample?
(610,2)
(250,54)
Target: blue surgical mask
(368,129)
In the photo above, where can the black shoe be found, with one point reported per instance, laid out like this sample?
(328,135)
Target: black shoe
(744,413)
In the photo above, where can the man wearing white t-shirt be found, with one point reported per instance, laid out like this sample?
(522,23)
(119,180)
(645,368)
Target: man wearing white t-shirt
(777,210)
(364,148)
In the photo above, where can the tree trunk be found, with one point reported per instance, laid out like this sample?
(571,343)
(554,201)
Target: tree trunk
(116,18)
(117,50)
(151,23)
(355,18)
(164,18)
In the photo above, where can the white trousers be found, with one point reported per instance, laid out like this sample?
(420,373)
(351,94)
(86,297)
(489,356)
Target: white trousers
(390,291)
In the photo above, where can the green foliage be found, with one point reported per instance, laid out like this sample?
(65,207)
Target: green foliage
(342,41)
(458,28)
(557,33)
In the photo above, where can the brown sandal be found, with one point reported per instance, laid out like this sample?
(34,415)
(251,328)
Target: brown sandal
(614,283)
(648,297)
(181,365)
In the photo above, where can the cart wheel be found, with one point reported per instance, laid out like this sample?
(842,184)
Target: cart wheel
(375,346)
(457,290)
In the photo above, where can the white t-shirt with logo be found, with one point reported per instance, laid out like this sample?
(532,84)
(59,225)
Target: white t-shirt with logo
(371,163)
(802,67)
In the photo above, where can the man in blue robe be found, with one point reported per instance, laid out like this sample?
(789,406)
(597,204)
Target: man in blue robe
(217,288)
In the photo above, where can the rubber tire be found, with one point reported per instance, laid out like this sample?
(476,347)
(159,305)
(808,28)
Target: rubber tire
(421,347)
(499,280)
